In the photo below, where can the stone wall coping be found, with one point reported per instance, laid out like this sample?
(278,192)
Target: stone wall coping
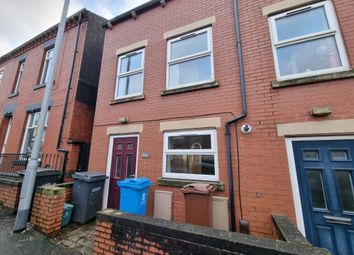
(11,181)
(65,185)
(287,231)
(50,190)
(228,241)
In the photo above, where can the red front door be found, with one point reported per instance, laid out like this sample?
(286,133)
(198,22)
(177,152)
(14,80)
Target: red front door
(123,166)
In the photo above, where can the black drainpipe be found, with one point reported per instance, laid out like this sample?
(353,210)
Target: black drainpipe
(235,119)
(68,93)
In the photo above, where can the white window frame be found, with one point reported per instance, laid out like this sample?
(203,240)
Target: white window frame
(333,31)
(130,73)
(198,55)
(23,149)
(213,151)
(19,75)
(48,61)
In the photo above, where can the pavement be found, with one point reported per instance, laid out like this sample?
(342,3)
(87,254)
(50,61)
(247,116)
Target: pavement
(72,240)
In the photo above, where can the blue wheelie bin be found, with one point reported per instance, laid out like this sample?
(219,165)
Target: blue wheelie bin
(134,195)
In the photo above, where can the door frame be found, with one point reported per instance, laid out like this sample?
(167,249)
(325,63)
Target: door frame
(109,163)
(293,173)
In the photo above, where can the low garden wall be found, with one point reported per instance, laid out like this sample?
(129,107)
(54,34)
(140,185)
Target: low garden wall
(121,233)
(10,189)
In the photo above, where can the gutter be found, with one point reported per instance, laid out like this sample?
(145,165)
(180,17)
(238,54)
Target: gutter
(237,118)
(65,151)
(134,12)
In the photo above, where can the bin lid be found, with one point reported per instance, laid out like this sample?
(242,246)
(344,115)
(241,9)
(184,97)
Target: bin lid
(135,183)
(199,188)
(68,206)
(90,176)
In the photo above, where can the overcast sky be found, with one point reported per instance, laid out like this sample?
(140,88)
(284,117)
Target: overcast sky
(22,20)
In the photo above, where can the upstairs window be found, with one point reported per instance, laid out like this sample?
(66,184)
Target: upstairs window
(130,74)
(190,59)
(19,76)
(307,42)
(191,155)
(48,61)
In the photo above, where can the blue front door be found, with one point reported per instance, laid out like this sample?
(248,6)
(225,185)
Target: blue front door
(325,171)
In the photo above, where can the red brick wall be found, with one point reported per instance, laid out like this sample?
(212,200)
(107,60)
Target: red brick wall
(47,210)
(264,173)
(78,115)
(10,195)
(215,102)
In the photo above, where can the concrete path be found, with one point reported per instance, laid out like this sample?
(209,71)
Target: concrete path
(73,240)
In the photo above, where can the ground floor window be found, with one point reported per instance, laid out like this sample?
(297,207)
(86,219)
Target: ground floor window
(191,155)
(31,132)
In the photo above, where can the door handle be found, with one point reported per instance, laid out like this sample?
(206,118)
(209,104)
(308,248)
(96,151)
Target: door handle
(337,220)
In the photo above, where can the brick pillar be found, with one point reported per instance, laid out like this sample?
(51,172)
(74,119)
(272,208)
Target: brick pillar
(103,244)
(47,209)
(10,190)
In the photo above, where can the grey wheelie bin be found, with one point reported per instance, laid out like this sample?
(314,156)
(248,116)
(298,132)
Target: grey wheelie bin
(87,195)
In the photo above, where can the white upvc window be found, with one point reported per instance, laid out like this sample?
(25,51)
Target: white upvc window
(307,42)
(31,132)
(190,59)
(130,74)
(48,62)
(191,155)
(19,76)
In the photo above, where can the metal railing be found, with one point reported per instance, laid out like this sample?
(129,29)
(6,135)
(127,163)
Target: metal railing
(13,163)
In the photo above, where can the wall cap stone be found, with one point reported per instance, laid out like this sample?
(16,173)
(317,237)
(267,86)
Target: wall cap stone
(50,190)
(10,181)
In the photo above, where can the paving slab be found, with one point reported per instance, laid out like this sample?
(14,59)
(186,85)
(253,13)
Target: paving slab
(72,240)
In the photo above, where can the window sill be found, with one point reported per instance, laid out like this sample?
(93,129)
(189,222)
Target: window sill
(314,79)
(38,86)
(13,94)
(190,88)
(127,99)
(179,183)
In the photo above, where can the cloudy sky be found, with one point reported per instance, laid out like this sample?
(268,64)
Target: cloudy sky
(23,19)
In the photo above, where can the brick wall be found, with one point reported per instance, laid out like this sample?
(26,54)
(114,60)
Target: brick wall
(10,190)
(68,190)
(120,233)
(47,210)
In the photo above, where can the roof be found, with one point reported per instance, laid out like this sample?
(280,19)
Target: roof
(135,11)
(44,34)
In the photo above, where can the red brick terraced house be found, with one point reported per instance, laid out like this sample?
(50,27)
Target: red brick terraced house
(23,73)
(274,76)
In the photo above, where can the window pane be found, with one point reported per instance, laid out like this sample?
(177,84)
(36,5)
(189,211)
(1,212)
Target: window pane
(191,164)
(188,142)
(122,86)
(308,56)
(339,155)
(131,63)
(130,85)
(316,189)
(118,166)
(124,65)
(190,72)
(120,146)
(189,46)
(345,184)
(311,155)
(130,146)
(303,23)
(129,166)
